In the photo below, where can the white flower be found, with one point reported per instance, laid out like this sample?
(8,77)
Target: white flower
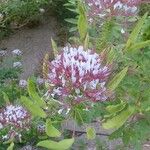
(42,10)
(68,110)
(1,17)
(3,53)
(16,116)
(17,52)
(22,83)
(41,128)
(122,31)
(1,126)
(60,111)
(17,64)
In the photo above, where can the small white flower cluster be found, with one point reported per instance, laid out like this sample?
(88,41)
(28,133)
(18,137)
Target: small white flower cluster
(17,64)
(42,10)
(15,116)
(102,8)
(125,8)
(11,135)
(40,81)
(123,31)
(17,52)
(22,83)
(3,53)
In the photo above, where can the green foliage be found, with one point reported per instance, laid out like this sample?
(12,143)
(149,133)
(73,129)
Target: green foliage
(71,5)
(144,8)
(19,12)
(34,108)
(51,131)
(105,34)
(119,119)
(113,84)
(58,7)
(8,73)
(135,133)
(91,134)
(63,145)
(116,108)
(11,146)
(111,55)
(9,79)
(34,95)
(146,30)
(135,89)
(108,33)
(6,99)
(35,104)
(82,22)
(133,36)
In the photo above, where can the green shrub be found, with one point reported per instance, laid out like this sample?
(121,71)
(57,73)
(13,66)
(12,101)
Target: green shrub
(16,13)
(59,9)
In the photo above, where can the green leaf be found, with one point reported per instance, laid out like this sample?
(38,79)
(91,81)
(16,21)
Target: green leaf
(140,45)
(5,97)
(120,119)
(91,134)
(54,46)
(51,131)
(113,84)
(86,42)
(73,29)
(34,95)
(106,35)
(62,145)
(73,10)
(72,21)
(82,22)
(111,56)
(32,107)
(11,146)
(133,36)
(116,134)
(116,108)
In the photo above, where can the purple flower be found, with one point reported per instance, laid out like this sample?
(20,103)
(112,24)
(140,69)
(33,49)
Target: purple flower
(78,75)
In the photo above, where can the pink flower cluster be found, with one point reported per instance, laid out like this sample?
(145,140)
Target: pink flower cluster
(14,116)
(103,8)
(79,75)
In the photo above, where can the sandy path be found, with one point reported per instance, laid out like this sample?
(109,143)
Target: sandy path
(34,42)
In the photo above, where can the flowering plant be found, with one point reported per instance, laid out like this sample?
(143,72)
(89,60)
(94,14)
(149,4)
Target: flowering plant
(16,119)
(79,75)
(103,8)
